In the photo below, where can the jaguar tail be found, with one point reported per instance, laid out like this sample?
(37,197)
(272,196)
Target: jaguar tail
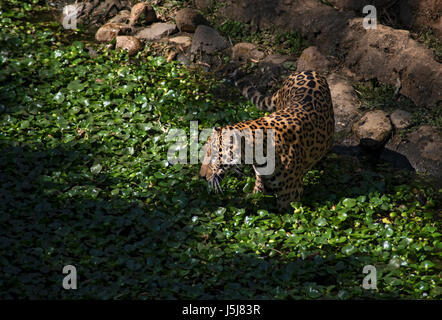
(251,93)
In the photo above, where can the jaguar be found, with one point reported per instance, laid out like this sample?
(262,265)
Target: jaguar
(302,126)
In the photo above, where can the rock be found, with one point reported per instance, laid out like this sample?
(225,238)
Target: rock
(273,68)
(203,4)
(95,12)
(156,31)
(92,52)
(187,20)
(312,59)
(171,56)
(244,51)
(138,11)
(183,41)
(401,119)
(383,53)
(391,55)
(357,5)
(183,59)
(373,129)
(419,15)
(276,63)
(345,102)
(109,31)
(423,148)
(129,43)
(278,59)
(208,40)
(121,17)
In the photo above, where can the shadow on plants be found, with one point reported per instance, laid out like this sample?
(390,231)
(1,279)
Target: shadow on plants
(56,212)
(373,157)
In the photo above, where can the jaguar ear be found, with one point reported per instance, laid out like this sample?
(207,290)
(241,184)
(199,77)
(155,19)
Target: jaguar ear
(215,129)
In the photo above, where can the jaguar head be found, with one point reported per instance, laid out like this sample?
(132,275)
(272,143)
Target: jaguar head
(212,168)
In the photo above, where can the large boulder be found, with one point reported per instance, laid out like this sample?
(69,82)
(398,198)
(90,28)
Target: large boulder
(423,149)
(412,14)
(401,119)
(182,41)
(345,102)
(277,63)
(312,59)
(204,4)
(110,31)
(129,43)
(122,17)
(392,56)
(373,129)
(358,5)
(94,12)
(244,51)
(156,31)
(187,20)
(383,53)
(208,40)
(422,14)
(278,59)
(142,13)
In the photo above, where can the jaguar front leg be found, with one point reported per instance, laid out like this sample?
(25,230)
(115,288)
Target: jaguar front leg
(286,195)
(259,185)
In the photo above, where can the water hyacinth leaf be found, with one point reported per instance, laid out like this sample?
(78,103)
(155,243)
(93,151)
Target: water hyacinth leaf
(220,211)
(349,203)
(394,263)
(59,97)
(386,245)
(95,169)
(427,264)
(76,85)
(348,249)
(313,292)
(141,99)
(321,222)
